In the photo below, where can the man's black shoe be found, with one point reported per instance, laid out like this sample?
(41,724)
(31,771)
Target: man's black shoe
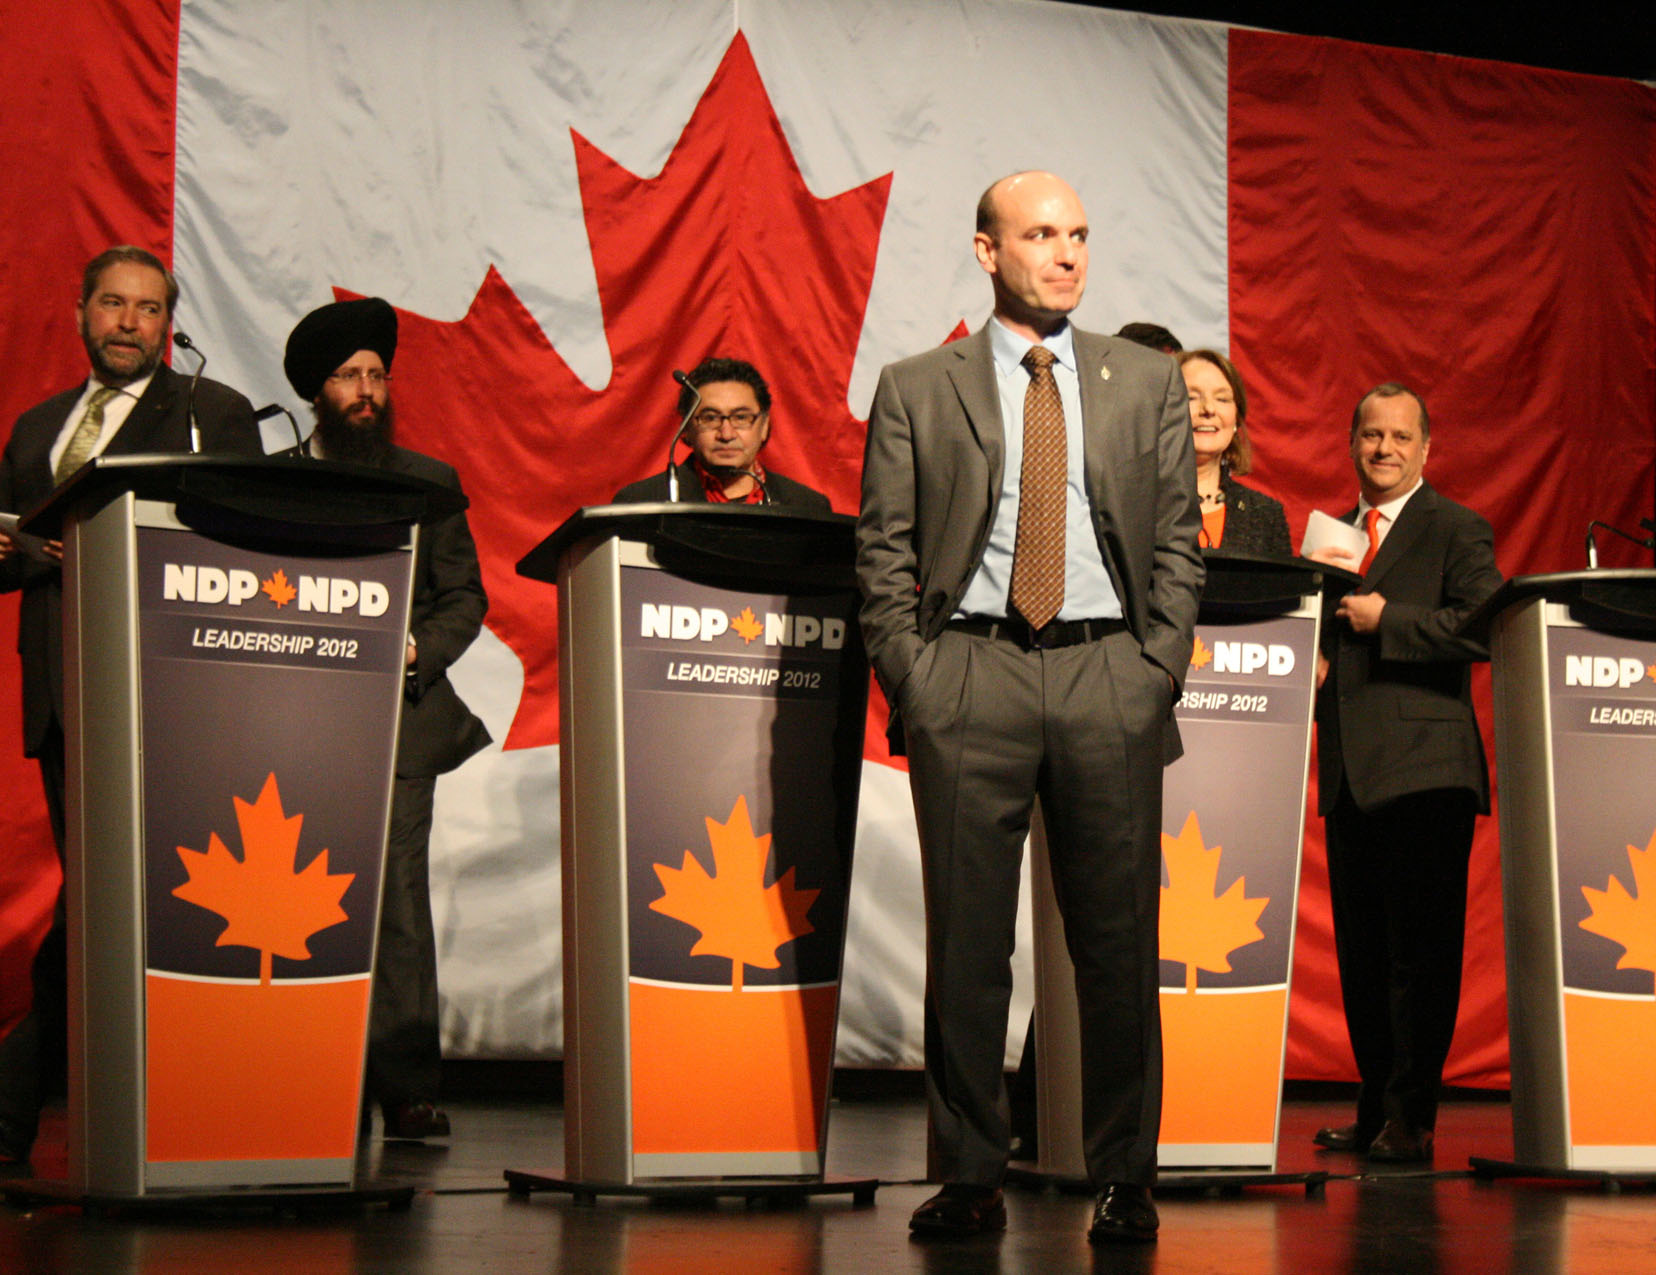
(416,1120)
(1343,1137)
(1123,1212)
(960,1209)
(1400,1142)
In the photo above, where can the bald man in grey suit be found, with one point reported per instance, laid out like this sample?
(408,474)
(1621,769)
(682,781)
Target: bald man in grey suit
(998,707)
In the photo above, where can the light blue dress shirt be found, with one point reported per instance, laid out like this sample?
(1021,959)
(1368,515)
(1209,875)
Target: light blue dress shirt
(1088,593)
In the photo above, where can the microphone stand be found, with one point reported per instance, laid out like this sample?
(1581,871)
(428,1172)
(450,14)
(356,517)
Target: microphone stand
(183,342)
(275,409)
(672,469)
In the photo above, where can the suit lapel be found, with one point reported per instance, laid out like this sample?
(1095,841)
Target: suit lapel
(1410,525)
(972,374)
(1101,443)
(141,430)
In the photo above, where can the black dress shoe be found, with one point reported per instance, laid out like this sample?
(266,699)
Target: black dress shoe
(416,1120)
(1343,1137)
(1400,1142)
(960,1209)
(1123,1212)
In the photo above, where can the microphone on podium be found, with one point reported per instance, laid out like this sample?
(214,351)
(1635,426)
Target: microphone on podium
(695,402)
(183,342)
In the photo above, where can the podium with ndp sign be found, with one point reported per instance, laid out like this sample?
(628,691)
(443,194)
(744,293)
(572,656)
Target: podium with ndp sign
(1574,656)
(1232,821)
(712,701)
(233,638)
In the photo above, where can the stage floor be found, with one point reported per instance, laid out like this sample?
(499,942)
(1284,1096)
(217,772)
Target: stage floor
(462,1219)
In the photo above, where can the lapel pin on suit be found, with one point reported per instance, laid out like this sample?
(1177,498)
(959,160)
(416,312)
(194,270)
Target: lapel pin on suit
(1103,372)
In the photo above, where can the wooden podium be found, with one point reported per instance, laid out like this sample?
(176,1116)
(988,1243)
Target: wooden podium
(1232,823)
(233,636)
(713,693)
(1574,656)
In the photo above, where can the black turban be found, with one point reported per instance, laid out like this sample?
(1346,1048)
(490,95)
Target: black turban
(327,337)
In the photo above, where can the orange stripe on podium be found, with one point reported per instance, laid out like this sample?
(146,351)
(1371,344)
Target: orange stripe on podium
(1221,1066)
(718,1070)
(244,1071)
(1610,1048)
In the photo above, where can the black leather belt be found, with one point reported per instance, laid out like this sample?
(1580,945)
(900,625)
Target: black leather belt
(1017,631)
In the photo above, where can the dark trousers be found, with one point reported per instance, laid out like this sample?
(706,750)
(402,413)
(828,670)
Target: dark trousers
(990,726)
(34,1053)
(1397,881)
(404,1047)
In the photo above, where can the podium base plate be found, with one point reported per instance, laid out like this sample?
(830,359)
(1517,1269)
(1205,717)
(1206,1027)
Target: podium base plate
(1609,1181)
(752,1190)
(1208,1182)
(23,1192)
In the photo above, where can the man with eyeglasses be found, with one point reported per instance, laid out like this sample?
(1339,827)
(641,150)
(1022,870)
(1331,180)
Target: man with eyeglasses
(339,359)
(130,402)
(730,426)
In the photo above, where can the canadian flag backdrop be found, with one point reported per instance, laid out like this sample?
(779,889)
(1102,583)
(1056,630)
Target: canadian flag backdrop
(567,201)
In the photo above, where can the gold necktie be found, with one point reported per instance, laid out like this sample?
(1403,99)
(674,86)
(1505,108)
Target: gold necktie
(1038,554)
(79,448)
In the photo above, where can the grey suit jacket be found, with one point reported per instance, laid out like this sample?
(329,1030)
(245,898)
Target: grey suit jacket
(1395,713)
(932,474)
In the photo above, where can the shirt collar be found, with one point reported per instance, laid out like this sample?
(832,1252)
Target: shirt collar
(1009,348)
(135,391)
(1388,509)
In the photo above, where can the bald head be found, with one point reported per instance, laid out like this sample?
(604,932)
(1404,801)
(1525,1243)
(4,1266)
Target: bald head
(990,202)
(1032,242)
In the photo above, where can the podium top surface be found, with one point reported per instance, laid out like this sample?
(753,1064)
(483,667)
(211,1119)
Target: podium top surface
(1237,580)
(1608,597)
(722,539)
(291,490)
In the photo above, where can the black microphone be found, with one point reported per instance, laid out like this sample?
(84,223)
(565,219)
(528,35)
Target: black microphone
(265,413)
(695,402)
(183,342)
(1592,544)
(764,491)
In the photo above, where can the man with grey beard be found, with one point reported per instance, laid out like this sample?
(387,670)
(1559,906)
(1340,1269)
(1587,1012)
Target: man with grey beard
(339,359)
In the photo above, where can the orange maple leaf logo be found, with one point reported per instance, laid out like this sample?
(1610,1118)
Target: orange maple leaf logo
(268,906)
(1200,656)
(1198,928)
(1651,672)
(747,625)
(739,916)
(277,588)
(1628,919)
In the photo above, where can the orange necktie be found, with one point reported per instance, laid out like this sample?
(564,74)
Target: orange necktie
(1373,523)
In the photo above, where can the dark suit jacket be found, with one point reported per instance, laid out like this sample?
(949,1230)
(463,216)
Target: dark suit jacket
(932,476)
(782,491)
(157,423)
(1254,523)
(1395,713)
(438,731)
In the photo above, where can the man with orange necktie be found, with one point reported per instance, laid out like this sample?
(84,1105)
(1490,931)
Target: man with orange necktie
(1401,774)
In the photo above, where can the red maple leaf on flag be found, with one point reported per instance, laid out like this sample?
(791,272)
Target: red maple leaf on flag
(725,251)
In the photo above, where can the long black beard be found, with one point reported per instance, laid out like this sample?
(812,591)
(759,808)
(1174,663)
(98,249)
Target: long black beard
(364,443)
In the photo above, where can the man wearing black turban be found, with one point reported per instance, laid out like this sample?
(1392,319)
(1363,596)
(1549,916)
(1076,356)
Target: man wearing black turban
(339,359)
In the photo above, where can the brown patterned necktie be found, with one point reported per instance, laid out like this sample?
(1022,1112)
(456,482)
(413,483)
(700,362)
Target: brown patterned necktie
(78,450)
(1038,554)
